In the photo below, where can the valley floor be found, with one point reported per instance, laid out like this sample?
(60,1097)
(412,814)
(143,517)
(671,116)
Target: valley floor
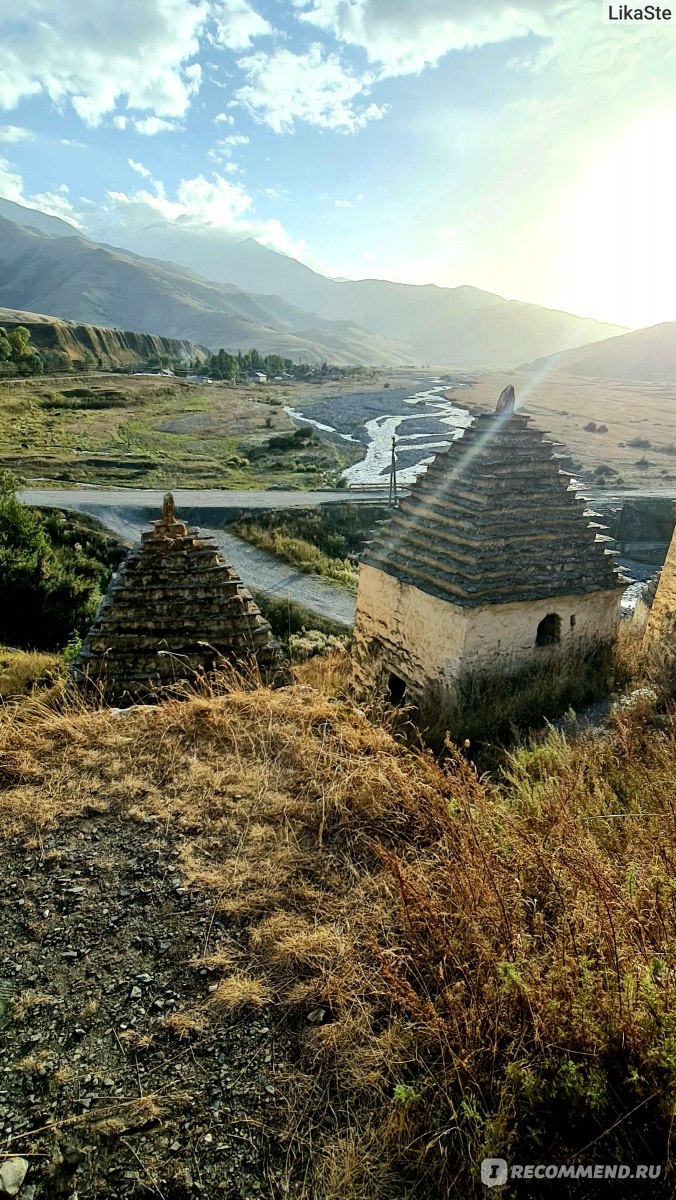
(634,434)
(150,431)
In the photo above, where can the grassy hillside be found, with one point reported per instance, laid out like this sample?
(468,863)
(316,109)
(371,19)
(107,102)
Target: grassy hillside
(152,431)
(319,541)
(457,326)
(645,355)
(253,942)
(365,320)
(82,345)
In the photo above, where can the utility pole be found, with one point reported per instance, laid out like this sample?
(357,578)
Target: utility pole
(393,476)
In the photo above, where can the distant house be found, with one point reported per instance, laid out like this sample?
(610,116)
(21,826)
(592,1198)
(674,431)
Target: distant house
(199,379)
(257,377)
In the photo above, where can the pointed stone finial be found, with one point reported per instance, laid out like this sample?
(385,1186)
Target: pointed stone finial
(506,400)
(168,509)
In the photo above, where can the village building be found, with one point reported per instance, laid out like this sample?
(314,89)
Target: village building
(174,611)
(492,564)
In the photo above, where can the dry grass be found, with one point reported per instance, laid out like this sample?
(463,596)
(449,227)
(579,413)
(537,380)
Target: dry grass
(239,991)
(22,671)
(327,673)
(472,966)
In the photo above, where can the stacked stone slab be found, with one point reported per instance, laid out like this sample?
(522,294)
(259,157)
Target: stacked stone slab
(173,611)
(491,565)
(493,521)
(661,627)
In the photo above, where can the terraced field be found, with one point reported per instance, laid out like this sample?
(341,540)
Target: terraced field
(148,431)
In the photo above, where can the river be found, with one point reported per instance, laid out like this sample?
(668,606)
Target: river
(423,423)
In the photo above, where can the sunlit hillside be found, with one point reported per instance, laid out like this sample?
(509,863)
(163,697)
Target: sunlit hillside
(254,942)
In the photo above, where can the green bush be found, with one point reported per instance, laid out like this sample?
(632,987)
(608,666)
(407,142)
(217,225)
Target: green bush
(50,586)
(323,541)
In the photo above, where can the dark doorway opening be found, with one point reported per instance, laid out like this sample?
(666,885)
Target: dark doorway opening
(549,630)
(396,689)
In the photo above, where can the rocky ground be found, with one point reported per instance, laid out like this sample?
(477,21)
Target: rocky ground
(120,1076)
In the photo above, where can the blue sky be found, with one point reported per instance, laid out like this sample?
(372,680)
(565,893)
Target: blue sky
(526,147)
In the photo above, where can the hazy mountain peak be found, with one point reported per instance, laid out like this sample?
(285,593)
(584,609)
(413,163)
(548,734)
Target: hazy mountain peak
(35,219)
(199,286)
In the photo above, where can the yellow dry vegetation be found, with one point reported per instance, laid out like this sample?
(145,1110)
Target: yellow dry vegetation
(23,670)
(461,957)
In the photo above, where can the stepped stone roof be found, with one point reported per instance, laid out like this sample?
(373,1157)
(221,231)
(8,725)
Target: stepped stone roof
(174,609)
(662,618)
(495,520)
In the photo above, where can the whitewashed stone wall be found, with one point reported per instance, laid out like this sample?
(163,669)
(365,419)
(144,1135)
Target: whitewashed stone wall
(427,641)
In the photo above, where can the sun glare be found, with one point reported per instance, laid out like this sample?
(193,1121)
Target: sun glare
(617,230)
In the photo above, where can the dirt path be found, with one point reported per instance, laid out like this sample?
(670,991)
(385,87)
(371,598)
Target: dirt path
(259,570)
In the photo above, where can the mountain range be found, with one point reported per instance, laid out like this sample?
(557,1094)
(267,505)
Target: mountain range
(257,297)
(646,354)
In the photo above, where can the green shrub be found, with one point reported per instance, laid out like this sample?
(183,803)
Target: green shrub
(50,585)
(322,541)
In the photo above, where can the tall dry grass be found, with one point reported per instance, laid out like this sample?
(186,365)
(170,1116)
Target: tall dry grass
(23,671)
(471,966)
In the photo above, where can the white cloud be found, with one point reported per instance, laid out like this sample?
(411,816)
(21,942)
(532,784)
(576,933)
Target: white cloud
(72,144)
(11,184)
(343,204)
(149,126)
(56,204)
(223,151)
(139,168)
(198,201)
(142,54)
(408,35)
(224,119)
(225,164)
(120,122)
(15,133)
(189,224)
(237,23)
(315,87)
(277,195)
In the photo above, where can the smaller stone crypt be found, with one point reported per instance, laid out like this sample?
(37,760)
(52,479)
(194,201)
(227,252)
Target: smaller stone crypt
(174,611)
(490,568)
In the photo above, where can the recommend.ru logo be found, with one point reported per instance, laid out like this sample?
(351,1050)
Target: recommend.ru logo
(496,1172)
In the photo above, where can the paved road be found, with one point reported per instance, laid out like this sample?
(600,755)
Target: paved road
(649,493)
(259,570)
(90,499)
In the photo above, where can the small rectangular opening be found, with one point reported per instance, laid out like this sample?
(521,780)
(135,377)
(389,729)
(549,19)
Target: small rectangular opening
(396,689)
